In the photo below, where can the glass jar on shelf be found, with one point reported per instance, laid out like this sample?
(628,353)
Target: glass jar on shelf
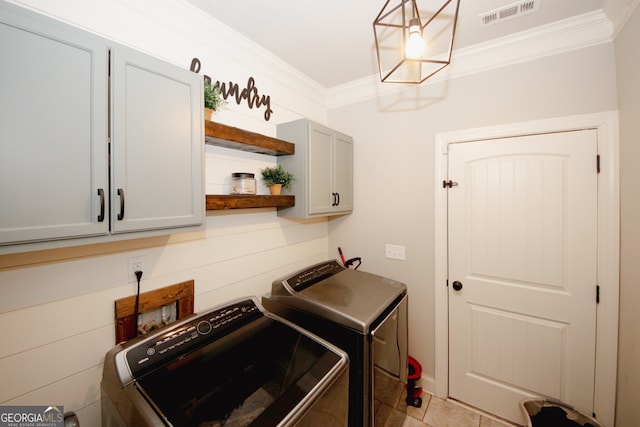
(243,183)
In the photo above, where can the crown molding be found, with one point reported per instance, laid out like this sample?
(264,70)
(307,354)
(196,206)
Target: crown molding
(619,12)
(575,33)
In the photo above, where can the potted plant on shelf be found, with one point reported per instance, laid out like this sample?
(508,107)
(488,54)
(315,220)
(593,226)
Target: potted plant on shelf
(212,99)
(277,179)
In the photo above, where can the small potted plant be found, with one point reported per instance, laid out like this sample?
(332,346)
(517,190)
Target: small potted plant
(277,179)
(212,99)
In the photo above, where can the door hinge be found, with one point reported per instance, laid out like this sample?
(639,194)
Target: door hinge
(598,163)
(597,294)
(449,184)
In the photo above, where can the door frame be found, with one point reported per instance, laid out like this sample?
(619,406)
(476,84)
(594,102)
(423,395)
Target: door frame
(606,125)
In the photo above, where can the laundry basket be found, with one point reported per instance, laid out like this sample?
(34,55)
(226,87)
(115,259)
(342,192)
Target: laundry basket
(547,413)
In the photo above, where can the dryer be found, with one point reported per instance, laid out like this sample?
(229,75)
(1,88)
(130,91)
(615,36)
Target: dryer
(362,313)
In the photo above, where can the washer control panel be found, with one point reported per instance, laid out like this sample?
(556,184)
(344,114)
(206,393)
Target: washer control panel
(174,342)
(314,274)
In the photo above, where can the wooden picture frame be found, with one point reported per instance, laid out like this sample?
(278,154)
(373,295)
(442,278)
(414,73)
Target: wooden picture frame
(125,319)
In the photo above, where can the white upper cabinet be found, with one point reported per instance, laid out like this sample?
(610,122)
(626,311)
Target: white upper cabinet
(322,166)
(156,143)
(55,167)
(343,172)
(53,129)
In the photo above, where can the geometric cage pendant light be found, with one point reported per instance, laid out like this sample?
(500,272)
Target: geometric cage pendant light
(414,38)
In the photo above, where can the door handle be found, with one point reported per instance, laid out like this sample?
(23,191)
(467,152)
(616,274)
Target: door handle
(457,286)
(121,194)
(101,194)
(338,202)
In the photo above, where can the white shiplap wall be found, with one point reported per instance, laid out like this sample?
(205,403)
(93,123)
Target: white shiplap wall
(57,306)
(53,350)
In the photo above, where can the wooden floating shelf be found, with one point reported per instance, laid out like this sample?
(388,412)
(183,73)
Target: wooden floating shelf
(239,139)
(222,202)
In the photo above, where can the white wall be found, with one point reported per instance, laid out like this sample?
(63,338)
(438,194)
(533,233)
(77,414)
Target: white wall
(57,306)
(394,159)
(628,70)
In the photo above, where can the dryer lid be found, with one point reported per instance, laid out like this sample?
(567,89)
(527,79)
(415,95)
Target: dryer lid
(352,298)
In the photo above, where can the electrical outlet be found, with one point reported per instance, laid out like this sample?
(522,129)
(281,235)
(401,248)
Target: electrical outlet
(135,264)
(395,252)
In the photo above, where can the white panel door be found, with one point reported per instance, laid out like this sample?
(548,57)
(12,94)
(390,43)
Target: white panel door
(523,246)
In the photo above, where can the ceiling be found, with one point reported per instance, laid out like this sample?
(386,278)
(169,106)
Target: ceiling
(332,41)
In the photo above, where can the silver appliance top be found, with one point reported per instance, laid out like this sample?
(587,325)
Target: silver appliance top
(147,352)
(351,298)
(222,367)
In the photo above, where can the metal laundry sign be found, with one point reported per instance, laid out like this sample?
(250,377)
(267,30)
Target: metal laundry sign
(249,93)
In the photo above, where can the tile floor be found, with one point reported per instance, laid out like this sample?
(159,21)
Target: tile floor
(434,412)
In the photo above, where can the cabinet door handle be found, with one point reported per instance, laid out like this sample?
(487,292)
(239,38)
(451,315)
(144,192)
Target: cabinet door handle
(334,199)
(338,202)
(101,194)
(121,194)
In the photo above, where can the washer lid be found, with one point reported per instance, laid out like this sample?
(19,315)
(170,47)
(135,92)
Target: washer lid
(348,297)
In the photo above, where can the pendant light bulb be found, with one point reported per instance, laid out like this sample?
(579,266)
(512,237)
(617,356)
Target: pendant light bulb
(415,44)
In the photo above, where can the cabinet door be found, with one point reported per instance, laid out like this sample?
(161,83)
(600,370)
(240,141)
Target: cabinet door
(53,129)
(320,194)
(342,172)
(157,143)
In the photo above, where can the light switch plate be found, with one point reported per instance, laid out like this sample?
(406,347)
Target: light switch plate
(395,252)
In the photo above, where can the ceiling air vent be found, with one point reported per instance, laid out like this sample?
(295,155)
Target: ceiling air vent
(510,11)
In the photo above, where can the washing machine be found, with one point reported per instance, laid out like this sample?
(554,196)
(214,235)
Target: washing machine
(362,313)
(233,365)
